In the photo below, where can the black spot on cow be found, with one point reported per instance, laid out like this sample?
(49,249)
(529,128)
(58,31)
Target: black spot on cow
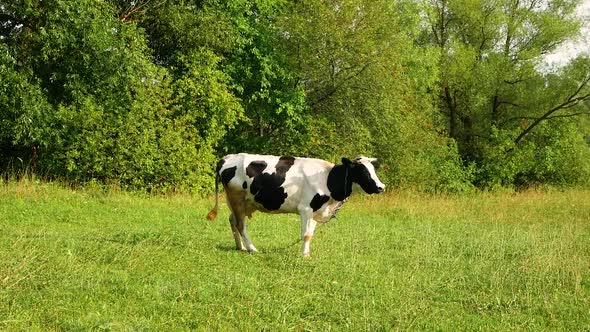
(318,200)
(267,190)
(284,165)
(255,168)
(340,180)
(228,174)
(266,187)
(245,185)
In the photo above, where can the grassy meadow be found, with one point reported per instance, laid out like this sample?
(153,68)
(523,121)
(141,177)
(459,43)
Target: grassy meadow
(85,259)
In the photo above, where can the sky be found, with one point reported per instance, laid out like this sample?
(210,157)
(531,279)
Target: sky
(569,50)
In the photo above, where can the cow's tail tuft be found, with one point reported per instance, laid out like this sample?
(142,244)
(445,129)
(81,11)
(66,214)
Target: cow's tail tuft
(213,213)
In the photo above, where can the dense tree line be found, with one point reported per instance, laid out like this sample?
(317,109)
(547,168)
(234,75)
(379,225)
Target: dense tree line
(450,94)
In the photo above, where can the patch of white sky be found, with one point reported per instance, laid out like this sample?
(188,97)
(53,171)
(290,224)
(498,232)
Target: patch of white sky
(573,48)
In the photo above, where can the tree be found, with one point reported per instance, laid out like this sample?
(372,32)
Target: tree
(493,92)
(366,84)
(108,111)
(564,97)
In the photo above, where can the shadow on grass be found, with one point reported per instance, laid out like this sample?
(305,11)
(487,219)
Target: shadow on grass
(281,248)
(226,247)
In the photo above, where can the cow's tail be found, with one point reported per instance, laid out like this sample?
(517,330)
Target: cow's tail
(213,213)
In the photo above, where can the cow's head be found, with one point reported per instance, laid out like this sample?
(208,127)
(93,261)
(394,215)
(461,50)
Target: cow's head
(362,171)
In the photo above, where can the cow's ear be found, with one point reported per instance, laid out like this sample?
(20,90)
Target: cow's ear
(376,164)
(346,162)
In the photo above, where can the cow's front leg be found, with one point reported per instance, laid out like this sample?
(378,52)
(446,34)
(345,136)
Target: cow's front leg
(307,229)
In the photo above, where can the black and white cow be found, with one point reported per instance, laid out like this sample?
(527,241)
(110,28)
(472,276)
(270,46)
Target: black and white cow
(313,188)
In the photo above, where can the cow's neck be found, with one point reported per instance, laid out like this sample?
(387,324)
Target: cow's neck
(340,182)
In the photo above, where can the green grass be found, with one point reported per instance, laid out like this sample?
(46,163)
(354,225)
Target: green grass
(80,260)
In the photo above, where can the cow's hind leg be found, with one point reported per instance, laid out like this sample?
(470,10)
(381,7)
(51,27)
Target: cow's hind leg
(238,223)
(239,228)
(236,217)
(234,229)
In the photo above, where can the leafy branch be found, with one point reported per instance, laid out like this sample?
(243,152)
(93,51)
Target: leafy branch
(571,101)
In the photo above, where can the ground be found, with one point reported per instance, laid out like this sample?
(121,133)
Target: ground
(86,259)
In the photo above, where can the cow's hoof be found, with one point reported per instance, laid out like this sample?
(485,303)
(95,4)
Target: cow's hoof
(253,250)
(306,255)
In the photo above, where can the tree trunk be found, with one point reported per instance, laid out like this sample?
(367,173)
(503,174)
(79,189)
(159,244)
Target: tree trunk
(495,115)
(452,114)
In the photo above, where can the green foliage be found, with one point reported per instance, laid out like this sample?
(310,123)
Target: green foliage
(274,102)
(23,106)
(502,161)
(362,72)
(494,89)
(148,94)
(561,158)
(203,108)
(114,115)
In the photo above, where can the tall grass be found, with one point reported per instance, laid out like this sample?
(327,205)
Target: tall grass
(86,259)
